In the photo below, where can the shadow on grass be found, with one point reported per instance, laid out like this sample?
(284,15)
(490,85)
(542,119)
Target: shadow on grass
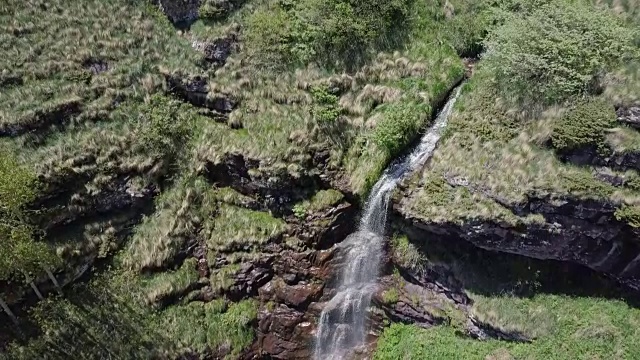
(90,322)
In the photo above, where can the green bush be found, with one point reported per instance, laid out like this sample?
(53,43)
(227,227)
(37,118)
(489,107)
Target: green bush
(629,214)
(19,252)
(585,125)
(556,51)
(297,32)
(401,122)
(325,106)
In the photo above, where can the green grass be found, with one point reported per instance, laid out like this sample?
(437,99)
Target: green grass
(322,200)
(564,327)
(240,227)
(171,283)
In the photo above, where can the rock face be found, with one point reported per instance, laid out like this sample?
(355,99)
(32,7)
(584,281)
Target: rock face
(582,232)
(629,116)
(180,11)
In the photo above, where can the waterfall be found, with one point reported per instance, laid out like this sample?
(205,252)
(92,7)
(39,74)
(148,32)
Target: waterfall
(342,326)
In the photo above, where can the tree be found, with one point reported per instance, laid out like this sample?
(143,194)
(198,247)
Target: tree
(19,252)
(556,51)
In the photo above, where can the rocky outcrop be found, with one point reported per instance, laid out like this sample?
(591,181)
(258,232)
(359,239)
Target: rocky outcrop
(275,191)
(218,50)
(629,116)
(180,12)
(584,232)
(195,90)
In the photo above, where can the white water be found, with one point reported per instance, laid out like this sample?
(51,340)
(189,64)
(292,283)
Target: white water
(342,326)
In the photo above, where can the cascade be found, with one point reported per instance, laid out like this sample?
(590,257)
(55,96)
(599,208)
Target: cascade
(342,325)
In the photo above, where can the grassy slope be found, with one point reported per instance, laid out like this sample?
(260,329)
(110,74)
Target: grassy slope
(102,64)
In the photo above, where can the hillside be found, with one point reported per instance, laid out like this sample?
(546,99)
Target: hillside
(176,176)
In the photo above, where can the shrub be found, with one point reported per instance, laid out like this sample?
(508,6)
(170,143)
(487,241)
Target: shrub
(556,51)
(585,125)
(19,252)
(629,215)
(327,31)
(325,105)
(400,124)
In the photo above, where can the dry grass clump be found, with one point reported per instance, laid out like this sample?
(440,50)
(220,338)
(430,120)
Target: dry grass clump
(179,211)
(624,140)
(80,52)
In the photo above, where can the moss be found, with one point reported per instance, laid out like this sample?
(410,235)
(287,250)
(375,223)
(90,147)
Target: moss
(233,328)
(585,125)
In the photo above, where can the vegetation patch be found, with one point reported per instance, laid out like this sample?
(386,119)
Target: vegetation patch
(563,47)
(585,125)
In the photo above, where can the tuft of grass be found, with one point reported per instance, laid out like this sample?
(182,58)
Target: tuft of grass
(390,296)
(171,283)
(406,254)
(629,214)
(320,201)
(240,227)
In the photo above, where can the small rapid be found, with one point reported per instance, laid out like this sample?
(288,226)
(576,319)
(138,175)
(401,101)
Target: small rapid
(342,326)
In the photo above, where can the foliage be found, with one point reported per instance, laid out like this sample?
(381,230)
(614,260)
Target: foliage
(321,200)
(325,108)
(585,125)
(559,50)
(286,32)
(400,124)
(390,296)
(406,254)
(164,124)
(19,251)
(629,214)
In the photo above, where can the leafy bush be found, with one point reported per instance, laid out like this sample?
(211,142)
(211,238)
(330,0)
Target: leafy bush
(556,51)
(19,252)
(325,105)
(585,125)
(297,32)
(629,214)
(400,124)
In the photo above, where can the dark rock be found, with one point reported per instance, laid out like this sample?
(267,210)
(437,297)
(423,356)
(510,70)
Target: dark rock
(95,66)
(608,176)
(585,232)
(591,156)
(218,50)
(42,119)
(629,116)
(275,192)
(180,12)
(315,232)
(195,90)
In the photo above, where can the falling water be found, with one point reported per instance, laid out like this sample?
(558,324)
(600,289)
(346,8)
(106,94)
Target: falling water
(342,322)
